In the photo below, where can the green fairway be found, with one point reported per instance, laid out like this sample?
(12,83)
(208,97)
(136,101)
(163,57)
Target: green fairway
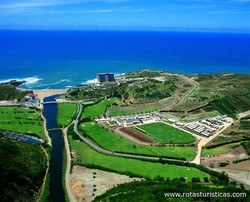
(85,155)
(21,120)
(95,111)
(164,133)
(113,142)
(66,112)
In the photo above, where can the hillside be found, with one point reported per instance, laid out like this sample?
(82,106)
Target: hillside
(156,191)
(9,92)
(22,168)
(227,93)
(132,88)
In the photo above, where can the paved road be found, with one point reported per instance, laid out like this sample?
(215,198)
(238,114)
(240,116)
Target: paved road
(97,148)
(67,173)
(204,141)
(194,84)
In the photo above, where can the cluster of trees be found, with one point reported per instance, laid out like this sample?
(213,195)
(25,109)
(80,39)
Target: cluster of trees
(225,143)
(157,190)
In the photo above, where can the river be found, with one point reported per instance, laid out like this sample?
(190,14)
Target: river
(56,165)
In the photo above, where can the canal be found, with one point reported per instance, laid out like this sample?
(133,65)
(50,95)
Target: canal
(56,165)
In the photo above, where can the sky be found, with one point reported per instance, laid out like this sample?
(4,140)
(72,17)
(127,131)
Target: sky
(125,14)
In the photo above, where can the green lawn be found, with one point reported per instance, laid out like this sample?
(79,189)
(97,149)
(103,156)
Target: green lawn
(98,109)
(66,112)
(113,142)
(21,120)
(123,111)
(215,151)
(164,133)
(85,155)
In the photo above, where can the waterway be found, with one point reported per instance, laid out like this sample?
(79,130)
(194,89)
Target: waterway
(56,165)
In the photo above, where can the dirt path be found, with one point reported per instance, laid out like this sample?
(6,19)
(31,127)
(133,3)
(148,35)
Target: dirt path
(204,141)
(87,183)
(67,173)
(243,114)
(45,130)
(239,172)
(46,173)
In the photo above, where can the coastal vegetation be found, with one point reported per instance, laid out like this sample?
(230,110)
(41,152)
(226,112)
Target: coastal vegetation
(66,113)
(22,168)
(84,155)
(144,73)
(113,142)
(164,133)
(9,92)
(135,91)
(21,120)
(158,190)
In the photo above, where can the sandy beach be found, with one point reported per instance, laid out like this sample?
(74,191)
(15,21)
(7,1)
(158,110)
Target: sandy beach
(45,93)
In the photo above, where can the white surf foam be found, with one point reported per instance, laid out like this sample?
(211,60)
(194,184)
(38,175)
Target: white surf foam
(90,81)
(28,80)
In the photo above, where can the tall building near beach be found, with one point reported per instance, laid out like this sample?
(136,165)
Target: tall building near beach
(105,77)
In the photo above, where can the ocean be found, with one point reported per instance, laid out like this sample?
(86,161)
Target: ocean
(60,59)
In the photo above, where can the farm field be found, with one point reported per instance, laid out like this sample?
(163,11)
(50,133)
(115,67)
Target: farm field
(219,150)
(164,133)
(128,110)
(113,142)
(200,116)
(228,94)
(85,155)
(21,120)
(95,111)
(66,112)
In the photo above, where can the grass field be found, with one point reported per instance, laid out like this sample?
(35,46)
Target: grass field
(85,155)
(164,133)
(95,111)
(215,151)
(66,112)
(123,111)
(21,120)
(113,142)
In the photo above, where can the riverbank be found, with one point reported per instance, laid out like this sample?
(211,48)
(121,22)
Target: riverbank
(46,93)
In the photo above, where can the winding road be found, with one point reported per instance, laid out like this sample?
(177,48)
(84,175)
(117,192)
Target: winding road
(99,149)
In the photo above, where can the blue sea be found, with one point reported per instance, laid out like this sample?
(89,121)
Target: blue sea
(60,59)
